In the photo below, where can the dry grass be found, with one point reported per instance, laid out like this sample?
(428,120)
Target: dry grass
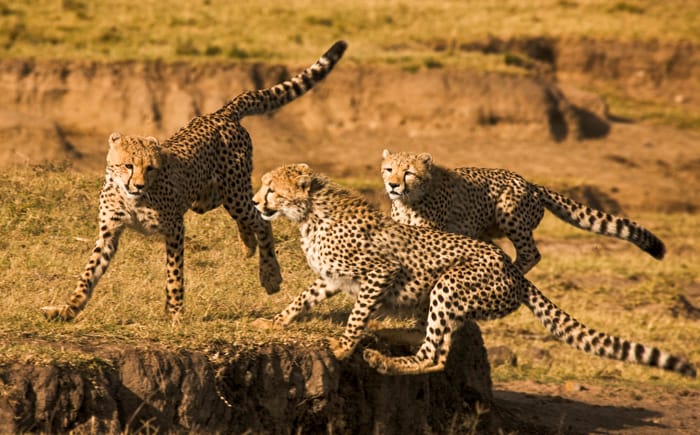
(293,30)
(47,226)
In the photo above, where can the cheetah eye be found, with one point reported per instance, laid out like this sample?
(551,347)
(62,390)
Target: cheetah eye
(149,168)
(387,170)
(129,166)
(409,174)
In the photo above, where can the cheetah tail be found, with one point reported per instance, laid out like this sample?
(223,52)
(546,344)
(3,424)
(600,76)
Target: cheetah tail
(567,329)
(597,221)
(266,100)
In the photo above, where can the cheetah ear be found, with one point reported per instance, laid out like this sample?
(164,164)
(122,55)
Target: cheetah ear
(304,183)
(153,141)
(115,139)
(303,167)
(426,158)
(385,154)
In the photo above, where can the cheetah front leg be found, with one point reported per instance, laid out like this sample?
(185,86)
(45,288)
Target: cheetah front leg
(175,262)
(102,254)
(253,230)
(366,303)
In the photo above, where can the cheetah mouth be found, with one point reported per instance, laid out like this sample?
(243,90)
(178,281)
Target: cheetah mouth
(269,215)
(394,195)
(133,195)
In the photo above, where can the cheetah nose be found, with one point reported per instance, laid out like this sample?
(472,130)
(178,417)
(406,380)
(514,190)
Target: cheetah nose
(138,186)
(394,185)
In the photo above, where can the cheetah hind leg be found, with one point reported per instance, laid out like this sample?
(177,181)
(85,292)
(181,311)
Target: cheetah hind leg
(428,359)
(412,337)
(527,254)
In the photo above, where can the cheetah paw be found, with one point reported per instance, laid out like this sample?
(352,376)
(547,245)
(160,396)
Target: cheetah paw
(338,350)
(176,319)
(58,312)
(376,360)
(271,279)
(263,324)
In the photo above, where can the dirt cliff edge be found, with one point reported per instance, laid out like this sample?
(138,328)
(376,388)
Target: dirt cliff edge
(272,388)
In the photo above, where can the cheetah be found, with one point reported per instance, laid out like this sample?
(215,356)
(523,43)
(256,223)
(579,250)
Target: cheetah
(149,186)
(445,279)
(489,203)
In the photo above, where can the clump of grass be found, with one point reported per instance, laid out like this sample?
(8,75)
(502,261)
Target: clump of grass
(626,7)
(186,47)
(657,111)
(432,63)
(319,21)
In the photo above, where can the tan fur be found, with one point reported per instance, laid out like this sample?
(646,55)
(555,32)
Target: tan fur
(444,279)
(204,165)
(488,203)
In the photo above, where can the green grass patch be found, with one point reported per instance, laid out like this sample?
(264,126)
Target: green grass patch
(653,111)
(47,229)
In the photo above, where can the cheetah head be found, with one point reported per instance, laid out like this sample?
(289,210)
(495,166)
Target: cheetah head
(285,192)
(406,174)
(133,162)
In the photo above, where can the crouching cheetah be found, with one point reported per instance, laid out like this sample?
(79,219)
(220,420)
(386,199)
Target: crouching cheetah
(443,278)
(207,163)
(489,203)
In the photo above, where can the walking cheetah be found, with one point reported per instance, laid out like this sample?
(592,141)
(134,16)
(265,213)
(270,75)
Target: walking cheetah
(207,163)
(444,278)
(490,203)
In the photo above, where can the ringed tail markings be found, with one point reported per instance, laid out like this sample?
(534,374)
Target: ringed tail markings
(266,100)
(599,222)
(577,335)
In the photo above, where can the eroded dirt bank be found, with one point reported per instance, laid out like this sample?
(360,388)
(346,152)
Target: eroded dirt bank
(53,111)
(272,388)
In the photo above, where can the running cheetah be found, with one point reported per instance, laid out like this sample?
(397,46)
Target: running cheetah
(490,203)
(444,278)
(149,186)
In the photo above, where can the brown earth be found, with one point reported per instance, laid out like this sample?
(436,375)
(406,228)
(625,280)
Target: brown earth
(269,388)
(541,124)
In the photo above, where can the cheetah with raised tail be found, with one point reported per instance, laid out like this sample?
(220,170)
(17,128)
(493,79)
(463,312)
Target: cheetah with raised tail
(207,163)
(445,279)
(489,203)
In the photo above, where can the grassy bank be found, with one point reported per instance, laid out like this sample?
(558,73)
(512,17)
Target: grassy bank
(293,30)
(47,229)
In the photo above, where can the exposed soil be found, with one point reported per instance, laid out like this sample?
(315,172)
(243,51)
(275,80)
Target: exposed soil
(269,388)
(543,125)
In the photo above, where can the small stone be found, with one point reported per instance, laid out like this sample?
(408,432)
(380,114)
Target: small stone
(500,355)
(573,387)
